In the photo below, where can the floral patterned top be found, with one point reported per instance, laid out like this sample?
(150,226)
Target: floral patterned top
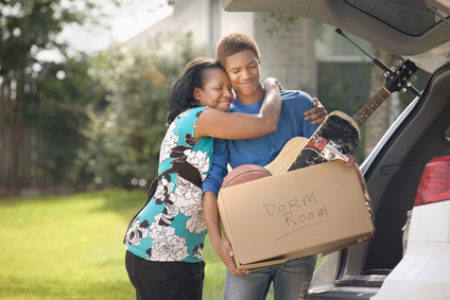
(171,226)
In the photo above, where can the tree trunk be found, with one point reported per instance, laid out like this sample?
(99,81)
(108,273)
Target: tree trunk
(2,135)
(378,122)
(17,138)
(13,97)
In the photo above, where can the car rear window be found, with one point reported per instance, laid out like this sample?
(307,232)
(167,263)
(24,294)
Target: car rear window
(411,17)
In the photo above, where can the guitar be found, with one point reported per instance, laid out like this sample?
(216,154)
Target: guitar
(339,135)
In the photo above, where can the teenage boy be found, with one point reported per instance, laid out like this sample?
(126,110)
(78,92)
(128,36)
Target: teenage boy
(239,54)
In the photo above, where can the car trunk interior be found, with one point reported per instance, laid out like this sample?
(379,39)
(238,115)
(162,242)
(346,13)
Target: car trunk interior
(396,173)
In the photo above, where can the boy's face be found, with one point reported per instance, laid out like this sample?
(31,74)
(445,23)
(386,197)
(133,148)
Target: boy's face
(243,70)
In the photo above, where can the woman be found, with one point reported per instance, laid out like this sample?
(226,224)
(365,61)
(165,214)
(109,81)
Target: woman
(166,237)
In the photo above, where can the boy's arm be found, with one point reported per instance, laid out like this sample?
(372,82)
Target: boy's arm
(218,170)
(211,187)
(221,245)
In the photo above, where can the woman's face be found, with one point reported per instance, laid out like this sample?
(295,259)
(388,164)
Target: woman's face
(216,91)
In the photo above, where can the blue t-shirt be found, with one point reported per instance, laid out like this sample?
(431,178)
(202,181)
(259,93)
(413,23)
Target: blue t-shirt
(262,150)
(171,226)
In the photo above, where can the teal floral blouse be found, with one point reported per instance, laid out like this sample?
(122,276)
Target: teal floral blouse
(171,226)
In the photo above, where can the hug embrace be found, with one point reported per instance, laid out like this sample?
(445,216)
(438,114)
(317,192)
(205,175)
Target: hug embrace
(220,114)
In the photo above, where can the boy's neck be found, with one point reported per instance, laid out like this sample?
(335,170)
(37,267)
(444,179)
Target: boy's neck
(251,99)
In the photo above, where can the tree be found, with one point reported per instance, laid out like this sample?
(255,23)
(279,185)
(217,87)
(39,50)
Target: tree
(26,29)
(58,113)
(125,136)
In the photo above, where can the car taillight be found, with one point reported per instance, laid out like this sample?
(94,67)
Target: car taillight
(435,183)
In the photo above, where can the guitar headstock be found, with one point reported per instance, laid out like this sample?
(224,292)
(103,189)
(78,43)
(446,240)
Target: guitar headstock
(398,79)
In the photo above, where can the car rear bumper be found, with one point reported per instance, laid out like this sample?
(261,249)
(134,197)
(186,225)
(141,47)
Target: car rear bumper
(346,293)
(423,273)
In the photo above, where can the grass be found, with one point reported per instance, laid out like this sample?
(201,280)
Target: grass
(70,247)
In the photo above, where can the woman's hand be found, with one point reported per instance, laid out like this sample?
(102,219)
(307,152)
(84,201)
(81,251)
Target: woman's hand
(272,82)
(316,115)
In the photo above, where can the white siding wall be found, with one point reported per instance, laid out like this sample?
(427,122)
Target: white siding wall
(188,17)
(238,21)
(163,29)
(288,55)
(193,16)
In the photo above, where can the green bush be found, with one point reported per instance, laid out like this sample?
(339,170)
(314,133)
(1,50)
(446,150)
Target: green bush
(125,135)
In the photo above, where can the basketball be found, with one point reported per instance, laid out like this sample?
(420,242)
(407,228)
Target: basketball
(245,173)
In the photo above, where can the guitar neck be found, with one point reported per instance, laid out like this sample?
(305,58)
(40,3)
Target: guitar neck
(367,110)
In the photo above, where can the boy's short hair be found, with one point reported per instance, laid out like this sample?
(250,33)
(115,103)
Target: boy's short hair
(233,43)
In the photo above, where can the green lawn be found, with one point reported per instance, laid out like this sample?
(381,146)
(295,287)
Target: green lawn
(70,247)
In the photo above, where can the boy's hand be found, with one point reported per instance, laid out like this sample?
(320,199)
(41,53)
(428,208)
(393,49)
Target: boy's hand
(317,114)
(225,252)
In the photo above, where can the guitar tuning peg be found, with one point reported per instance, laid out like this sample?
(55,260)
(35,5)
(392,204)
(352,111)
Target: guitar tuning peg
(387,73)
(409,83)
(403,90)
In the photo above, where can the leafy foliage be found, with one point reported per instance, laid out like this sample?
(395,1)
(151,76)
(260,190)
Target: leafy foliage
(39,94)
(125,137)
(27,27)
(58,112)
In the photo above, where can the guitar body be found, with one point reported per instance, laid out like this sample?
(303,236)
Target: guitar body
(338,136)
(338,132)
(287,155)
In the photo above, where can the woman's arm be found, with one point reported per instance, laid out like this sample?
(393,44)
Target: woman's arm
(216,123)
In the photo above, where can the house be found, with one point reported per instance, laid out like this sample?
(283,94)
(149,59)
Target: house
(295,55)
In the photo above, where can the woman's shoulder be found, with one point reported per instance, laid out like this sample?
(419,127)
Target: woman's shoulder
(188,118)
(193,112)
(190,115)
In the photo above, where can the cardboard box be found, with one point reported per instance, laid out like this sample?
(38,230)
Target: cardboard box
(311,210)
